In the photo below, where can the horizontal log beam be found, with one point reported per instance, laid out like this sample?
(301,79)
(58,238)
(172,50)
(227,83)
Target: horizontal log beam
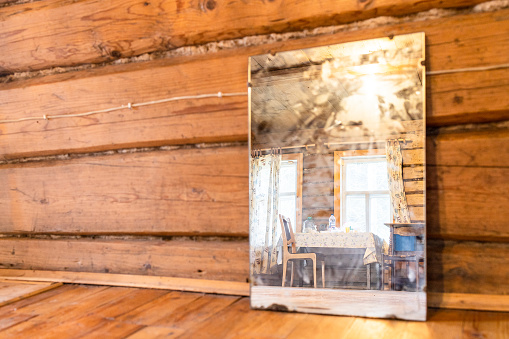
(130,280)
(208,260)
(92,32)
(467,187)
(466,191)
(180,192)
(467,267)
(464,301)
(452,43)
(453,266)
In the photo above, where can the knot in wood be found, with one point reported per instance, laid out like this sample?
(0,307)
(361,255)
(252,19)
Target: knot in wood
(210,5)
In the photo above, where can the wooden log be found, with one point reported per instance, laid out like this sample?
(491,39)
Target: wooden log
(318,175)
(188,121)
(415,199)
(322,201)
(466,191)
(416,213)
(467,267)
(209,260)
(413,156)
(467,187)
(91,32)
(413,172)
(130,280)
(414,186)
(453,43)
(313,189)
(318,161)
(469,301)
(189,191)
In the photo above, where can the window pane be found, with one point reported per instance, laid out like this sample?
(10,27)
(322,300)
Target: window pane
(367,175)
(288,177)
(377,176)
(287,208)
(356,176)
(380,213)
(355,212)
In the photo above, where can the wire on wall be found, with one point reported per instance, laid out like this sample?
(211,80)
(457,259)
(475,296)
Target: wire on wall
(219,95)
(128,106)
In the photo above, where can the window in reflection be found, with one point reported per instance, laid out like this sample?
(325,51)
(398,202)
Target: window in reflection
(365,197)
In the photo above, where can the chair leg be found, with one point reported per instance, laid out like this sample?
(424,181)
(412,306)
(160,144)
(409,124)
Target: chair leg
(323,274)
(291,276)
(382,273)
(416,274)
(314,272)
(285,262)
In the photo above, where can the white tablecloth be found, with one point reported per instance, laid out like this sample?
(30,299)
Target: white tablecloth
(371,242)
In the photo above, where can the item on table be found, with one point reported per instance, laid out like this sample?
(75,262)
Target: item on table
(332,222)
(308,225)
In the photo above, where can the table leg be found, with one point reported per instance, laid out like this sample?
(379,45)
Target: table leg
(368,276)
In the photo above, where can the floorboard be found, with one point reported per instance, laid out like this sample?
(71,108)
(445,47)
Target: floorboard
(78,311)
(11,291)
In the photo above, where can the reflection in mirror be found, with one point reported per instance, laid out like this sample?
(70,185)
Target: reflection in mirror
(337,179)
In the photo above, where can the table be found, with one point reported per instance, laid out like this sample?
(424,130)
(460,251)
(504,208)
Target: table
(371,243)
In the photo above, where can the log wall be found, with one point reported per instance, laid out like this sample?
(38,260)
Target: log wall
(162,190)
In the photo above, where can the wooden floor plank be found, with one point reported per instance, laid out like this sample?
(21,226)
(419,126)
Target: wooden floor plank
(63,301)
(8,320)
(43,297)
(94,312)
(189,315)
(111,329)
(161,308)
(12,291)
(322,326)
(156,332)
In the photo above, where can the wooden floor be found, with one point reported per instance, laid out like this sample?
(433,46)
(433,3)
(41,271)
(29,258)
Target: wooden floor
(81,311)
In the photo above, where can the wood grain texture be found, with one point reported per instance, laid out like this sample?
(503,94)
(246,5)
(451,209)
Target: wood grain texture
(469,301)
(218,319)
(189,191)
(467,187)
(467,267)
(12,291)
(92,32)
(400,305)
(466,191)
(453,266)
(129,280)
(452,43)
(209,260)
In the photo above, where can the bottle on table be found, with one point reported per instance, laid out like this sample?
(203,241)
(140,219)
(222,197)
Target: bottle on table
(308,225)
(332,223)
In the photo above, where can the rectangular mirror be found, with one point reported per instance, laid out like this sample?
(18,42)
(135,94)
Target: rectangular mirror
(337,179)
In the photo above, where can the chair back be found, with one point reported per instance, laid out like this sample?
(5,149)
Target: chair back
(287,234)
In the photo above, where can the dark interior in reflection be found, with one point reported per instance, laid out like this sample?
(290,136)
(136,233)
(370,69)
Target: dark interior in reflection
(337,132)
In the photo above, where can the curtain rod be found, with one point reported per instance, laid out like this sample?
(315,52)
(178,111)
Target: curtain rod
(328,144)
(285,147)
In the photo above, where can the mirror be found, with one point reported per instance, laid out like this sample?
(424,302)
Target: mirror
(337,179)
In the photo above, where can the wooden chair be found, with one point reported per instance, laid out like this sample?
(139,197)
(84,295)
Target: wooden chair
(389,260)
(289,239)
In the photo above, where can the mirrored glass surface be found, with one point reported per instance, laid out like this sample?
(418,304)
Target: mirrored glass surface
(337,179)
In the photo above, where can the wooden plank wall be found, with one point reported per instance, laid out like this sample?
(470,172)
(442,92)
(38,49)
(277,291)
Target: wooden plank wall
(162,190)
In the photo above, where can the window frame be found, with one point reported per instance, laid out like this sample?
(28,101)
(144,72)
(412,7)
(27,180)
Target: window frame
(299,158)
(339,157)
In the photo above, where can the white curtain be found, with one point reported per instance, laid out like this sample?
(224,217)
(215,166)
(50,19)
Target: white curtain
(396,186)
(263,218)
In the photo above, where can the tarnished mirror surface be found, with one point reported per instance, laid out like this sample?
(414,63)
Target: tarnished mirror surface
(337,179)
